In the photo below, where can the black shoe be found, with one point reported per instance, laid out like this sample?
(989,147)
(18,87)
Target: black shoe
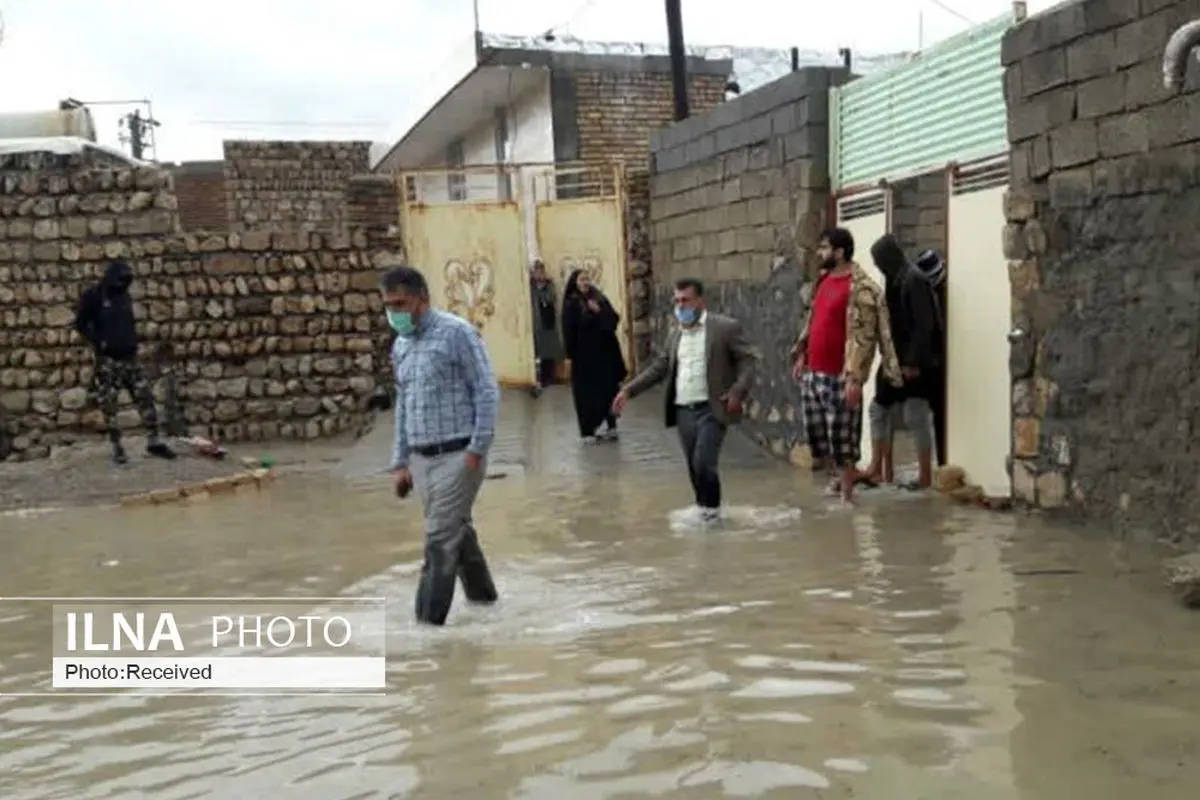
(536,391)
(160,450)
(118,455)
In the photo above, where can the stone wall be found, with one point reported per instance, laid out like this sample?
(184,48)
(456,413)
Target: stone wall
(284,186)
(200,191)
(739,197)
(920,208)
(273,335)
(1102,238)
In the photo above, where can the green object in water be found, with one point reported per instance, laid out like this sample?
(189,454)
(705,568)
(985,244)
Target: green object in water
(266,462)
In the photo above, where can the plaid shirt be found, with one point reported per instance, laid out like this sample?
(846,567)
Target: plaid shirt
(445,388)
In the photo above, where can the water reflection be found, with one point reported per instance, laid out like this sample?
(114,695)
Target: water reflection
(797,651)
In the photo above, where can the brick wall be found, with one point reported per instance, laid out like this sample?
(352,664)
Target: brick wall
(200,190)
(617,111)
(613,113)
(275,335)
(1102,241)
(290,186)
(373,204)
(739,197)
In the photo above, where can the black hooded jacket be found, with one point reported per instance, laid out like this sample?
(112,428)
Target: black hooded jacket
(913,311)
(105,314)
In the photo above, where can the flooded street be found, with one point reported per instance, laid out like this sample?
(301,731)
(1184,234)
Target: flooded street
(906,650)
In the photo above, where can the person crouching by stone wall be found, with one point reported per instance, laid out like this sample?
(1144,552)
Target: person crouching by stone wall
(548,348)
(105,319)
(915,327)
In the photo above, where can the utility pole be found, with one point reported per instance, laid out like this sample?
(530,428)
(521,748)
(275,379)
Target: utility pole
(140,133)
(679,80)
(137,144)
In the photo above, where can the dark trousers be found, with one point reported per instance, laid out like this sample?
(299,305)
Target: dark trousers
(546,369)
(701,434)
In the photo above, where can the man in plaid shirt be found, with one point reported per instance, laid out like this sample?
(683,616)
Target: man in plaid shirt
(446,404)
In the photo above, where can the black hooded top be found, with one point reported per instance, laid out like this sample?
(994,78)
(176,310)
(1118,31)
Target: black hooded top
(105,314)
(916,322)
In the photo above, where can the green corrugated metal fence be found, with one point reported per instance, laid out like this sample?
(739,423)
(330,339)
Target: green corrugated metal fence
(946,105)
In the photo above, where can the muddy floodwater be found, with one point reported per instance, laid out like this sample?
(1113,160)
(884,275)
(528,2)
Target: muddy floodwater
(904,650)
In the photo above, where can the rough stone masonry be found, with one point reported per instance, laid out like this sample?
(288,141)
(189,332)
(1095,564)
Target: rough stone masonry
(284,186)
(739,197)
(274,335)
(1102,241)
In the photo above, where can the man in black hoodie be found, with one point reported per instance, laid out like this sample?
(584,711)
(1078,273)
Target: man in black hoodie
(106,321)
(916,324)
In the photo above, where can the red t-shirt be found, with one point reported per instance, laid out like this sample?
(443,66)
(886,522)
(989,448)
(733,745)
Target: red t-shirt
(827,334)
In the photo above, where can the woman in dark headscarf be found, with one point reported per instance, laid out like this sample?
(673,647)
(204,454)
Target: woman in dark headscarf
(597,366)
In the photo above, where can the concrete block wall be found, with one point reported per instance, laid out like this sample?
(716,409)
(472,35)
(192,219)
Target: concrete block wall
(920,207)
(739,197)
(1102,241)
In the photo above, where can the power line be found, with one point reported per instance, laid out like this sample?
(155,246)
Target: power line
(952,11)
(265,123)
(576,14)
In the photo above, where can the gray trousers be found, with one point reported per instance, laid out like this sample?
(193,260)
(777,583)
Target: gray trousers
(701,434)
(448,489)
(918,418)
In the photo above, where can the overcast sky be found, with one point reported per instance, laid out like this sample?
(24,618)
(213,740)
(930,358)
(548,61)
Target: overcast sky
(346,69)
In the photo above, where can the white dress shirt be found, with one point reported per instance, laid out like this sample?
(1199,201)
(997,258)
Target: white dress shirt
(691,374)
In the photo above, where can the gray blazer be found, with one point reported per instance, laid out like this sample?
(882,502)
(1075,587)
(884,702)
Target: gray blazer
(732,363)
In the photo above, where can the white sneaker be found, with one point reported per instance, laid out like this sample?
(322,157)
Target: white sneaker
(589,440)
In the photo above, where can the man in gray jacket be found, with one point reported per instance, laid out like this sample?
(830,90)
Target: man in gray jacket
(709,366)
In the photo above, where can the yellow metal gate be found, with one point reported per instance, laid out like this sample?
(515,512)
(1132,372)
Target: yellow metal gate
(580,223)
(465,233)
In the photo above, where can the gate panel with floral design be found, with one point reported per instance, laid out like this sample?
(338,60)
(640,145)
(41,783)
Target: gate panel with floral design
(472,252)
(580,223)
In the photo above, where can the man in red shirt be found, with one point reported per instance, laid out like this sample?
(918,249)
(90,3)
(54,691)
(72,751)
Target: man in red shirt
(832,359)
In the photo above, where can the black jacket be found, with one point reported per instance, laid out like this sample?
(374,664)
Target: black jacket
(932,266)
(105,315)
(916,320)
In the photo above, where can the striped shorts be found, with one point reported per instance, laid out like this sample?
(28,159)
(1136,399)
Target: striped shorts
(834,430)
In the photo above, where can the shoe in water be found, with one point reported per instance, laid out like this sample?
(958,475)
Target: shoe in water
(160,450)
(118,455)
(590,439)
(710,515)
(610,435)
(536,391)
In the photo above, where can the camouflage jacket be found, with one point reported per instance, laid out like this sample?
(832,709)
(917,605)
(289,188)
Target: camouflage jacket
(869,329)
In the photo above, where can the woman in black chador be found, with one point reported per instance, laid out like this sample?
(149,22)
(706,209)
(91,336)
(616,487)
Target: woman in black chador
(597,366)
